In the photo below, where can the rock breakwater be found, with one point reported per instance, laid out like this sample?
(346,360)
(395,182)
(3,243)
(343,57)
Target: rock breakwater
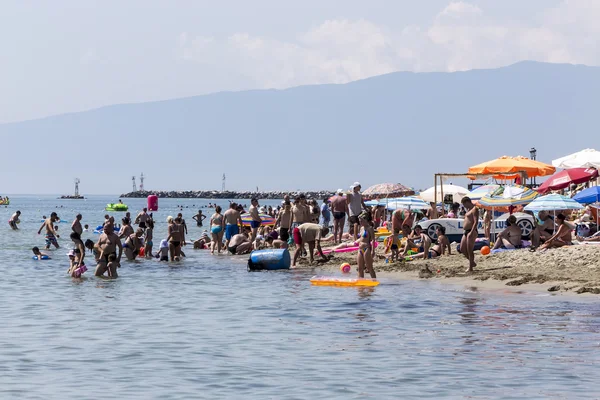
(214,194)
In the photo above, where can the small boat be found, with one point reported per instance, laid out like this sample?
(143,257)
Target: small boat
(116,207)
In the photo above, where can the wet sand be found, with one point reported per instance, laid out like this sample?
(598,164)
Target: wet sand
(573,269)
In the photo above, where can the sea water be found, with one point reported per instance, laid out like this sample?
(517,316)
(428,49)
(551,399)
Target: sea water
(207,328)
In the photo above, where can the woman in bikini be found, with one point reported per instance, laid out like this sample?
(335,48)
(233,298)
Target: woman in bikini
(563,235)
(174,238)
(366,238)
(216,229)
(133,244)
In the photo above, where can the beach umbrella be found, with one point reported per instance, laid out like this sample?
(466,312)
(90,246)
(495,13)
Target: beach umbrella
(567,177)
(553,202)
(481,191)
(407,202)
(383,190)
(373,203)
(508,167)
(457,192)
(583,159)
(266,219)
(506,196)
(588,196)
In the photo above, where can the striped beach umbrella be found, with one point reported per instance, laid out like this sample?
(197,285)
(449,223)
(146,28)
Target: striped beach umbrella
(266,219)
(507,196)
(481,191)
(407,202)
(553,202)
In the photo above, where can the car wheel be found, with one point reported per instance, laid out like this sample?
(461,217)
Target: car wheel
(526,228)
(432,231)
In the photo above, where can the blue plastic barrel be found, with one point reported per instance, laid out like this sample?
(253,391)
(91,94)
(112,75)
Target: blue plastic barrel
(269,259)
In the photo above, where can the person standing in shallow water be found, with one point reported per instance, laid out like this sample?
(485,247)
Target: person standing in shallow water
(233,222)
(76,225)
(13,221)
(216,229)
(199,218)
(467,244)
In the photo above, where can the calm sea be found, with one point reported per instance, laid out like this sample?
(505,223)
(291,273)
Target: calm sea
(206,328)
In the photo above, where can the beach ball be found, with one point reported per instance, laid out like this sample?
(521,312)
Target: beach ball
(485,250)
(345,268)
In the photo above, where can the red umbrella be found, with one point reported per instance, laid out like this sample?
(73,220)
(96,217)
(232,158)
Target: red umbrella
(567,177)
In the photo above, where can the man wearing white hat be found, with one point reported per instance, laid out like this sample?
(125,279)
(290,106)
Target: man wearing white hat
(339,208)
(356,204)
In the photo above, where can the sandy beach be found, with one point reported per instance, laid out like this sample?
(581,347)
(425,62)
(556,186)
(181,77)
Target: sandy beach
(569,269)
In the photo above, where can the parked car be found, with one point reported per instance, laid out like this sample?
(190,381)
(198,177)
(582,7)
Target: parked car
(454,226)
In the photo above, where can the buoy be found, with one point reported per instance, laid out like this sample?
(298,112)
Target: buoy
(345,268)
(485,250)
(153,202)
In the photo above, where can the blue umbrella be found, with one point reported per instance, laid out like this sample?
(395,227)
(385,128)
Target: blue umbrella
(589,195)
(553,202)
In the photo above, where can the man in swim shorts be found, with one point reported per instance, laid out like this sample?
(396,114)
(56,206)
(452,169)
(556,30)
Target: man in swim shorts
(356,204)
(255,221)
(142,218)
(233,221)
(108,243)
(339,207)
(51,234)
(240,243)
(311,234)
(14,220)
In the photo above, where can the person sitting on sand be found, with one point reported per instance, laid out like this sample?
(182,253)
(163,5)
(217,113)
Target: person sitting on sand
(38,255)
(437,250)
(509,238)
(240,243)
(563,235)
(419,239)
(542,232)
(310,234)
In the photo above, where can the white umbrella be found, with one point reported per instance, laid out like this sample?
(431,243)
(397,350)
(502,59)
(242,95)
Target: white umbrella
(583,159)
(553,202)
(457,192)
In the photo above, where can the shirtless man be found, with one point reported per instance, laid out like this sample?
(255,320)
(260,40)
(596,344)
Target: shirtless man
(142,218)
(509,238)
(76,225)
(51,234)
(467,244)
(356,204)
(311,234)
(339,208)
(233,222)
(240,243)
(14,220)
(432,213)
(255,218)
(284,221)
(108,243)
(378,215)
(199,218)
(300,211)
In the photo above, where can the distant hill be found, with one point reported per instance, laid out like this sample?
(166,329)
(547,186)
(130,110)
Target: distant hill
(400,127)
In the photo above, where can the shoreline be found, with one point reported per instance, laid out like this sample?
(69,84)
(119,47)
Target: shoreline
(574,269)
(227,194)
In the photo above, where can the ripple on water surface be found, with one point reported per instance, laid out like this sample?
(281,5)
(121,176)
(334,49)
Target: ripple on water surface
(206,328)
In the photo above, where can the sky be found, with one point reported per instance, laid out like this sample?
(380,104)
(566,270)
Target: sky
(71,55)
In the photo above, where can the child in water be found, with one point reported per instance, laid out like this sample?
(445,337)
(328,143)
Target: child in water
(163,253)
(112,266)
(77,267)
(38,255)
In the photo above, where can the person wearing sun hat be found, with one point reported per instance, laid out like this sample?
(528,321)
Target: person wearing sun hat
(356,205)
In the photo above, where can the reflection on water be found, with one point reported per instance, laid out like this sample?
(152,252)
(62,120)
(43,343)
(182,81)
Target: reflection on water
(207,328)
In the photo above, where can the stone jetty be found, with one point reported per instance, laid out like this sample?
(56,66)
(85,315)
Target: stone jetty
(214,194)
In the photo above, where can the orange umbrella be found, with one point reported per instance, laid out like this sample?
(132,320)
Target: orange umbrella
(508,167)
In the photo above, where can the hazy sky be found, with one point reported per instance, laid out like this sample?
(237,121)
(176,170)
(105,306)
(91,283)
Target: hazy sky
(70,55)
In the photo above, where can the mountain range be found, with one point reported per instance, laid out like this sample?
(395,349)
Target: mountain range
(400,127)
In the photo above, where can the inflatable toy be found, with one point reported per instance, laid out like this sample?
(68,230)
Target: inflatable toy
(334,281)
